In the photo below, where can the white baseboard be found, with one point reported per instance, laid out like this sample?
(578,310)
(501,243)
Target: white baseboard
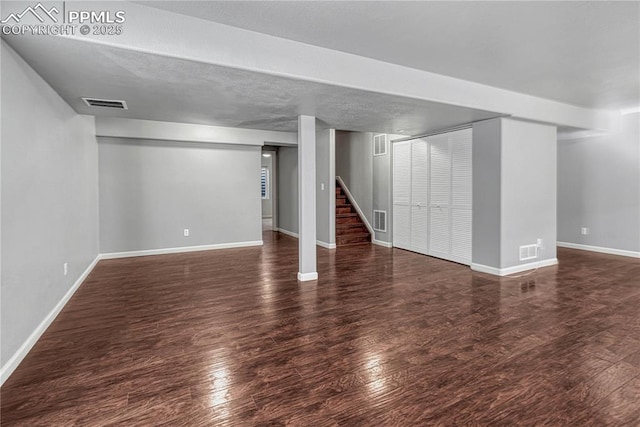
(515,269)
(165,251)
(305,277)
(287,232)
(296,236)
(381,243)
(325,244)
(622,252)
(8,368)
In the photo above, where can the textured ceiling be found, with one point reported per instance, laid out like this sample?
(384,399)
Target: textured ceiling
(169,89)
(585,53)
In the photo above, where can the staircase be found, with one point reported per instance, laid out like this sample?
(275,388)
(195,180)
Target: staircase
(350,230)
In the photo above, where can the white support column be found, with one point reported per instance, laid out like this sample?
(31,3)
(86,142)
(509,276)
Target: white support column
(307,198)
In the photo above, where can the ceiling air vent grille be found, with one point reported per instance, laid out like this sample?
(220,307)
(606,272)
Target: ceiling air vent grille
(106,103)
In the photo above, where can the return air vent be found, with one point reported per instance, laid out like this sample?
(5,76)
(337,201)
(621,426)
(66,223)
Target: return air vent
(106,103)
(380,220)
(528,252)
(380,144)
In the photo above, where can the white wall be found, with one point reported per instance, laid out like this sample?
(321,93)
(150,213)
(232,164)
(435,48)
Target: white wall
(151,190)
(354,164)
(486,146)
(599,188)
(368,177)
(288,189)
(325,186)
(383,186)
(528,190)
(49,201)
(514,193)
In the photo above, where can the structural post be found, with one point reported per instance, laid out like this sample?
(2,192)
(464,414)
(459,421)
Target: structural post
(307,198)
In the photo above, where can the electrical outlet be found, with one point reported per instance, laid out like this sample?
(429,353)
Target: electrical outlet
(584,231)
(186,232)
(65,268)
(322,186)
(540,243)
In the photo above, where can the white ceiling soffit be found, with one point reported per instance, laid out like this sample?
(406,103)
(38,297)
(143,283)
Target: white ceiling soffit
(176,90)
(585,53)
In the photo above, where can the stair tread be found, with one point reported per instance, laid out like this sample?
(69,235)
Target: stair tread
(350,225)
(347,214)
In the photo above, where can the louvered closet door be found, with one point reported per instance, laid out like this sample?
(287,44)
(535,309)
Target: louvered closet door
(439,196)
(419,196)
(402,195)
(461,193)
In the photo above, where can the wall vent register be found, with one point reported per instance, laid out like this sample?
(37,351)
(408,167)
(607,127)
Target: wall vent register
(380,221)
(380,144)
(528,252)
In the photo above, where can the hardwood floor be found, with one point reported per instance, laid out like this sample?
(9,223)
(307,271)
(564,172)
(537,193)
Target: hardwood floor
(384,338)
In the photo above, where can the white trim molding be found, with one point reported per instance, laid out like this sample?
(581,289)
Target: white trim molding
(305,277)
(515,269)
(355,205)
(15,360)
(325,244)
(381,243)
(165,251)
(287,232)
(295,236)
(611,251)
(116,127)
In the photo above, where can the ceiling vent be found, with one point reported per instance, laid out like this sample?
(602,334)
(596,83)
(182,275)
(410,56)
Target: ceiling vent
(106,103)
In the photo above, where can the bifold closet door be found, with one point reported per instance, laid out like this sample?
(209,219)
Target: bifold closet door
(402,195)
(432,184)
(461,193)
(439,195)
(419,196)
(450,206)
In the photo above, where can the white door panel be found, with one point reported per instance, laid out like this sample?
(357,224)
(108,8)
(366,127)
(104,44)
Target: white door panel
(419,226)
(401,226)
(402,195)
(401,172)
(439,231)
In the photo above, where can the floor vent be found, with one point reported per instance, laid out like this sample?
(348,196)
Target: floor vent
(106,103)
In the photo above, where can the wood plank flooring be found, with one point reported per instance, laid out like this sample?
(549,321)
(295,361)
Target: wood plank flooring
(384,338)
